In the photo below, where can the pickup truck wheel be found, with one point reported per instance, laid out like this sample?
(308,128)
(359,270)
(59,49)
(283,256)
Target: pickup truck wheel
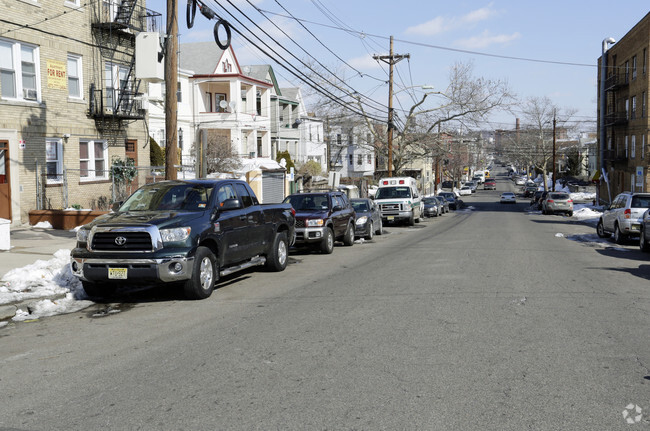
(277,259)
(600,230)
(204,275)
(348,238)
(98,290)
(327,243)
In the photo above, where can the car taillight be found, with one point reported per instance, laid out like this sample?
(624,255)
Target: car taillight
(550,201)
(627,213)
(570,201)
(293,212)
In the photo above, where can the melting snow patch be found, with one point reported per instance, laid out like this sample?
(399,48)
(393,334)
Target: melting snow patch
(559,235)
(43,225)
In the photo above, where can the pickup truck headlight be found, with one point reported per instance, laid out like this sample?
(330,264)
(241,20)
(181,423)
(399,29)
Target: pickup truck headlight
(175,234)
(362,220)
(316,222)
(82,235)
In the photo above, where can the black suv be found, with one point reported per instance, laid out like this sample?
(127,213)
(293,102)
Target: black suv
(322,218)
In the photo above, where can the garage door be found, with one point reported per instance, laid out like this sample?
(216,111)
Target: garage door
(272,187)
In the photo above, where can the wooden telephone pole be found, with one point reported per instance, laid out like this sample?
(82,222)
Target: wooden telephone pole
(171,84)
(391,60)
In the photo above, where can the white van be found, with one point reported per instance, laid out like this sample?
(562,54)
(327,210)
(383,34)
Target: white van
(399,199)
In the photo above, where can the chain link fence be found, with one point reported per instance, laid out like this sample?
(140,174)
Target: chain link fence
(96,190)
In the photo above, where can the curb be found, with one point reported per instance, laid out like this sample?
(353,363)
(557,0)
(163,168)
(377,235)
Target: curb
(8,311)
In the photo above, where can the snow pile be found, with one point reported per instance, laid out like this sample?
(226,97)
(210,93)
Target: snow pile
(43,225)
(43,279)
(585,213)
(583,197)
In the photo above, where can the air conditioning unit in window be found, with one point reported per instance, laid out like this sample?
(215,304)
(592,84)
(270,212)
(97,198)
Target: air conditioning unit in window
(29,94)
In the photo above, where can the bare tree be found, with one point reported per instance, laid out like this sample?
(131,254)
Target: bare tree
(533,146)
(219,155)
(467,100)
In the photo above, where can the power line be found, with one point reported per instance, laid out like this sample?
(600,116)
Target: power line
(300,75)
(444,48)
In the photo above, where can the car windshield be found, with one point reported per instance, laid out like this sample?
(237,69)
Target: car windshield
(640,201)
(559,196)
(169,196)
(508,194)
(317,202)
(360,206)
(430,201)
(393,192)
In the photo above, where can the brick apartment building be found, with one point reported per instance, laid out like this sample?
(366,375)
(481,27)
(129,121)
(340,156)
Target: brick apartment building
(627,86)
(69,101)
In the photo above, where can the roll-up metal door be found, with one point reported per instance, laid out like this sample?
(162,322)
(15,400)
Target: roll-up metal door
(272,187)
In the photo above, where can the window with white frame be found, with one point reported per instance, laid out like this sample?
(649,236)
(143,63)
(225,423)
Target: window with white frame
(54,160)
(634,68)
(115,78)
(92,160)
(218,98)
(633,113)
(626,147)
(75,83)
(633,146)
(19,70)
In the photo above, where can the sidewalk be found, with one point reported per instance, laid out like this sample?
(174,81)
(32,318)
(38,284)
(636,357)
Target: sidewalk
(29,244)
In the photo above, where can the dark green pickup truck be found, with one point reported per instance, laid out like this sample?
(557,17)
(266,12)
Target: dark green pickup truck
(190,232)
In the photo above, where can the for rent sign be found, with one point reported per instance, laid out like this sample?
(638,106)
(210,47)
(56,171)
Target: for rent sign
(57,77)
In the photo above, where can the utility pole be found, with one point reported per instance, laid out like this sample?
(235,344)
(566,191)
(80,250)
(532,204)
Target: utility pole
(553,189)
(391,60)
(171,84)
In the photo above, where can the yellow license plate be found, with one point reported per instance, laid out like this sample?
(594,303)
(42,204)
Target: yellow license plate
(391,218)
(117,273)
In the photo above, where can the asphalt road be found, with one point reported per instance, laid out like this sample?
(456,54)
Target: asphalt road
(479,319)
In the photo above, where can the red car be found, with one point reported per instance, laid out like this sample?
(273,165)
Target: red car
(490,184)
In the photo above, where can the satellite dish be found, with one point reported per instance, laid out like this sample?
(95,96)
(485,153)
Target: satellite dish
(223,104)
(232,105)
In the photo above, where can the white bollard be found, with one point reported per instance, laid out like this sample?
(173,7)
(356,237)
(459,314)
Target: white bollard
(5,242)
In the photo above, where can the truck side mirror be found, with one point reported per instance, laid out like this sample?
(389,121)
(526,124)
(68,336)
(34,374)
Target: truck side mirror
(337,208)
(115,206)
(230,204)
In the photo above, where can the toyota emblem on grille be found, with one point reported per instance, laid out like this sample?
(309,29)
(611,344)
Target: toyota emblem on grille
(120,240)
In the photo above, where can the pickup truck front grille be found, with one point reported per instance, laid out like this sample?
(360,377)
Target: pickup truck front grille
(300,223)
(122,241)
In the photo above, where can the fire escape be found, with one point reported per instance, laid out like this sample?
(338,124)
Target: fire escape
(115,93)
(616,115)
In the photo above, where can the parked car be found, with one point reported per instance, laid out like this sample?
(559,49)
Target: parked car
(454,202)
(536,198)
(541,199)
(529,191)
(490,184)
(368,218)
(448,184)
(189,232)
(473,185)
(624,216)
(508,198)
(444,204)
(322,218)
(465,191)
(557,202)
(431,207)
(519,181)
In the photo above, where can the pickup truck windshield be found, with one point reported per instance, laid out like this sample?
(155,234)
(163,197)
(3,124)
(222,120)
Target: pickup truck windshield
(308,202)
(179,197)
(393,193)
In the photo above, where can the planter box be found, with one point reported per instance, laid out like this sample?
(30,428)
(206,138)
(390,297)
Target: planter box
(64,219)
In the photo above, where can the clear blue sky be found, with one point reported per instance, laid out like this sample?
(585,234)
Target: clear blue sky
(432,32)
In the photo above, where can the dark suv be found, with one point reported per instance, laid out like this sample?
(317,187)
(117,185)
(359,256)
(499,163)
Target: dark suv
(322,218)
